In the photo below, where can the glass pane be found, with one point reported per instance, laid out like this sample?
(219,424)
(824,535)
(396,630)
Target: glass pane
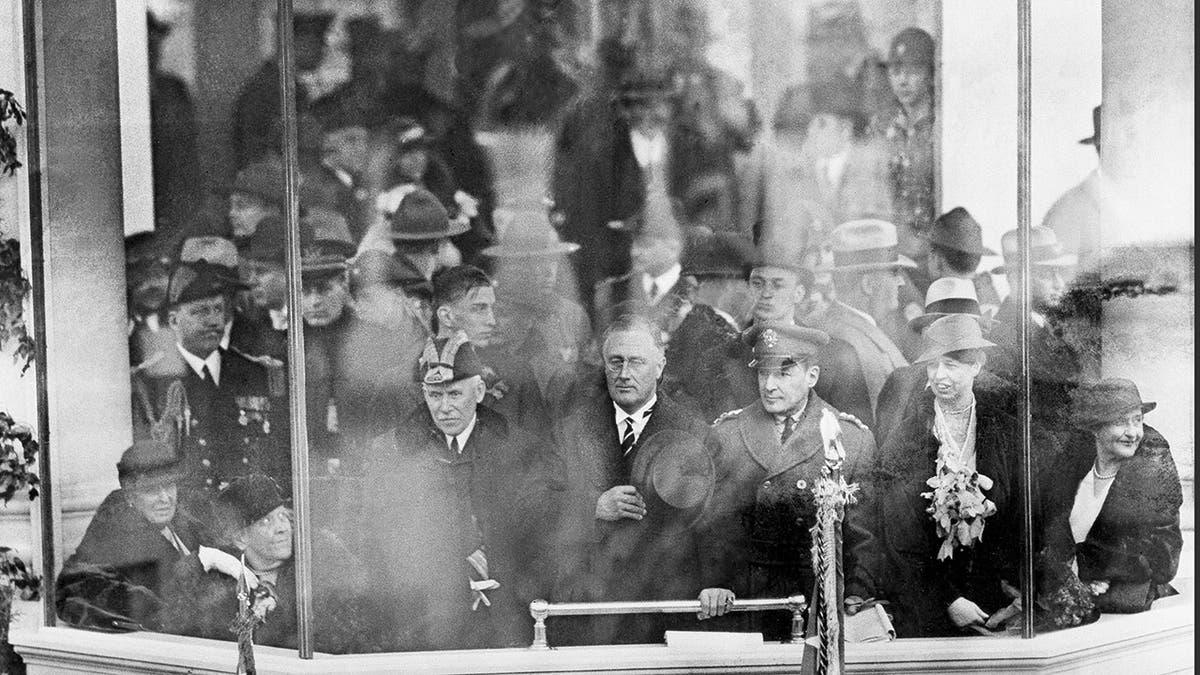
(202,477)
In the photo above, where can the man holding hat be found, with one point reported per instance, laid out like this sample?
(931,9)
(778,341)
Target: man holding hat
(756,541)
(909,135)
(606,511)
(866,270)
(115,578)
(225,415)
(447,484)
(256,115)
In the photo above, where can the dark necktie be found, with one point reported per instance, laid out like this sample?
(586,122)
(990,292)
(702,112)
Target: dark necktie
(208,376)
(789,425)
(627,439)
(454,449)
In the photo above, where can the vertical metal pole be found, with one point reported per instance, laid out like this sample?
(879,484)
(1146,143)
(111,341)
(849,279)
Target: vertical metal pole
(1024,119)
(296,376)
(32,17)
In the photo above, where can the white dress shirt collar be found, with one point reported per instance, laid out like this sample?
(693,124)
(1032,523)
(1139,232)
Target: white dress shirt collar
(640,417)
(463,436)
(213,361)
(665,282)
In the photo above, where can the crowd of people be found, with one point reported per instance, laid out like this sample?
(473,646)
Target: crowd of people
(615,395)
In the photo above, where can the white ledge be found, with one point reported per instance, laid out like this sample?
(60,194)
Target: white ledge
(1158,641)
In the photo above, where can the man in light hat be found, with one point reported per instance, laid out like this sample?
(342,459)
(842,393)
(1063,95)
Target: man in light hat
(225,414)
(447,484)
(1075,216)
(909,135)
(538,319)
(116,576)
(756,541)
(1055,363)
(599,441)
(418,228)
(866,273)
(256,115)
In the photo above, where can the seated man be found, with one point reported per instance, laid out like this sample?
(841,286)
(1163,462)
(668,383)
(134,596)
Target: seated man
(140,531)
(757,539)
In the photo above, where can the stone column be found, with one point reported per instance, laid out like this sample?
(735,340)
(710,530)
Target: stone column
(88,354)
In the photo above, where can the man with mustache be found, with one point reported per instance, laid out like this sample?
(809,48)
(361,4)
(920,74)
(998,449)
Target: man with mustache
(226,421)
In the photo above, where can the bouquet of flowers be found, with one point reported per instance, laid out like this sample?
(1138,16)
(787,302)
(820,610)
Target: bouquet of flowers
(957,504)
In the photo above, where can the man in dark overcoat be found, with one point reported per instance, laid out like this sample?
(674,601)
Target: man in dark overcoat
(115,577)
(609,544)
(224,414)
(756,541)
(445,483)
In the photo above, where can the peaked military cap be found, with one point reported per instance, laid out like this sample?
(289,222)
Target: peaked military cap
(197,281)
(778,344)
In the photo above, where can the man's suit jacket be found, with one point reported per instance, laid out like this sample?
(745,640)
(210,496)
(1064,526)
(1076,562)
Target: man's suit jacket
(649,559)
(624,294)
(856,367)
(230,430)
(351,201)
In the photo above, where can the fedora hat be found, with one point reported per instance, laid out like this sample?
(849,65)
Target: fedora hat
(867,244)
(946,296)
(527,233)
(957,230)
(421,217)
(148,462)
(1097,403)
(1094,139)
(1044,249)
(949,334)
(674,474)
(210,248)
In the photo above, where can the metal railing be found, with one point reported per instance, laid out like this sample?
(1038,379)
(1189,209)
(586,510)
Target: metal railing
(541,610)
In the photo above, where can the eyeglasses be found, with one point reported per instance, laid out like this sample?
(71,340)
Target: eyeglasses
(616,364)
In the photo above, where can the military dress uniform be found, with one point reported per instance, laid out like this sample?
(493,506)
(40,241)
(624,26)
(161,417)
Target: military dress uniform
(757,541)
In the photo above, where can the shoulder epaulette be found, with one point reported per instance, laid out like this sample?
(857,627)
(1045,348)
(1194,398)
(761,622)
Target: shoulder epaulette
(852,419)
(728,416)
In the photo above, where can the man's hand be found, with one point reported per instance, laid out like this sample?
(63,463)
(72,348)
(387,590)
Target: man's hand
(964,613)
(853,603)
(621,501)
(215,558)
(714,602)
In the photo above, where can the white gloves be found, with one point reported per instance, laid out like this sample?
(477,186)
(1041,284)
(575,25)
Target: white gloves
(214,558)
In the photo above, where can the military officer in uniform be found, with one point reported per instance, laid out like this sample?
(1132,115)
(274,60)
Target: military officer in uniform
(217,403)
(756,540)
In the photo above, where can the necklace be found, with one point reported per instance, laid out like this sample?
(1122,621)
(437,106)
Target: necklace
(1096,473)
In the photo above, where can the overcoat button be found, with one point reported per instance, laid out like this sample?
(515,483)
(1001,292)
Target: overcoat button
(205,462)
(767,485)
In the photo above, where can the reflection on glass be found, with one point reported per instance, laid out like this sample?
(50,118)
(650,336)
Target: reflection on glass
(576,293)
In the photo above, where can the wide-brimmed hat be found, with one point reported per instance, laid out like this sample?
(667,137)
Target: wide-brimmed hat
(946,296)
(674,473)
(949,334)
(721,254)
(325,243)
(421,217)
(527,233)
(1044,249)
(957,230)
(867,244)
(1094,139)
(248,498)
(1097,403)
(198,281)
(447,360)
(148,462)
(912,46)
(210,248)
(777,344)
